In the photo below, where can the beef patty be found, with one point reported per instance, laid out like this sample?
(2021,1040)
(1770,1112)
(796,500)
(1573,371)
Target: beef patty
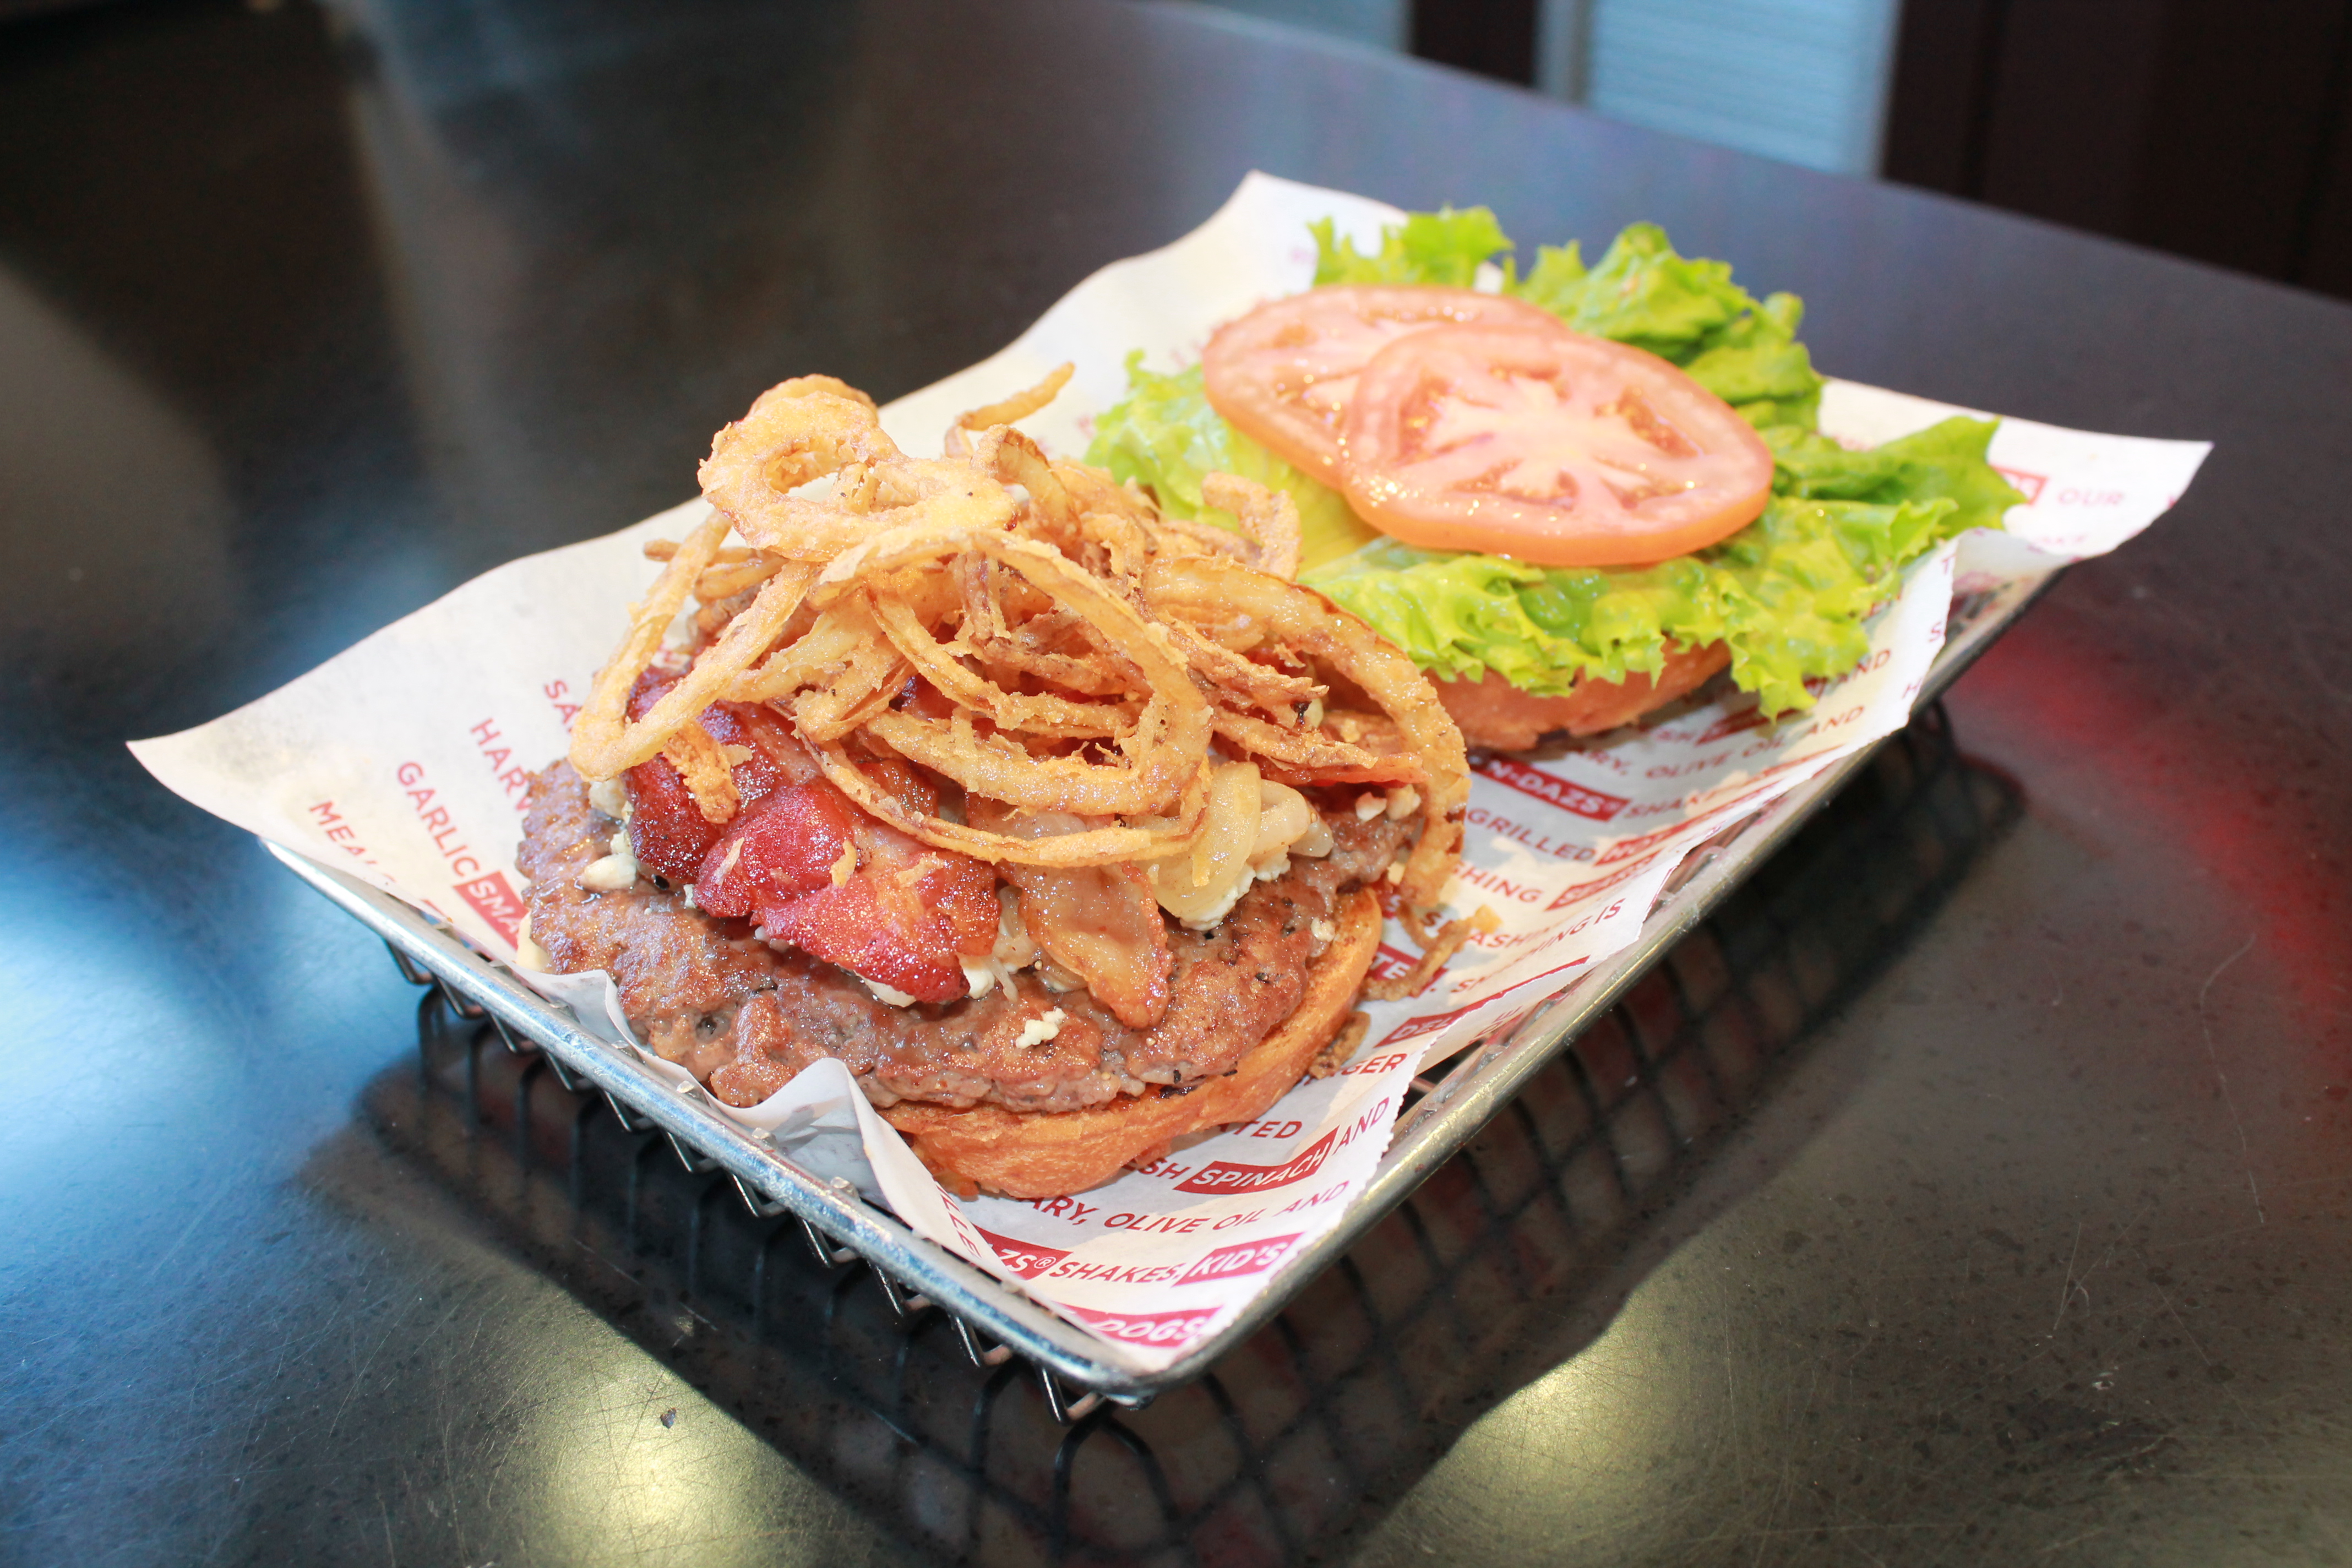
(744,1019)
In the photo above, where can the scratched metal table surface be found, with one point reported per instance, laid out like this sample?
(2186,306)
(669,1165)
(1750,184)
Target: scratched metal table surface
(2024,1239)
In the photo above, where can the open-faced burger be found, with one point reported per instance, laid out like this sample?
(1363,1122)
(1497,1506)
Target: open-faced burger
(1571,497)
(1065,825)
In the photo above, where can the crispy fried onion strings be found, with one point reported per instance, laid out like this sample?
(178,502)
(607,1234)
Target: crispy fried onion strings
(811,429)
(1441,950)
(1032,630)
(1039,715)
(1269,517)
(1021,405)
(605,742)
(1163,745)
(1309,626)
(709,778)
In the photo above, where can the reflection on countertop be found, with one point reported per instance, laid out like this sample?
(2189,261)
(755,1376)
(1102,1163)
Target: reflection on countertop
(1506,1264)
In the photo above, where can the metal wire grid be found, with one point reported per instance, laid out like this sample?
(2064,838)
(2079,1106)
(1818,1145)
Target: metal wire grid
(1454,1107)
(1459,1296)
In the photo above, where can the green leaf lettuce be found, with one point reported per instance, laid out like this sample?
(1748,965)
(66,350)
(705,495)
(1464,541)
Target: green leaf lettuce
(1165,437)
(1687,311)
(1788,594)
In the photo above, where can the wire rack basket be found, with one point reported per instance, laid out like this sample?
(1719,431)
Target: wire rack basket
(1500,1265)
(994,1325)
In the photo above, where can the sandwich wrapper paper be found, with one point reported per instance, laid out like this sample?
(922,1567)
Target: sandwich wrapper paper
(406,761)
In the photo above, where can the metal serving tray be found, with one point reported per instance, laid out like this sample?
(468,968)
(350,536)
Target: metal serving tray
(996,1321)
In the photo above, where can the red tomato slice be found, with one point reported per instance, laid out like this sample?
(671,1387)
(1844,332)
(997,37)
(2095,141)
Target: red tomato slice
(1284,373)
(1548,446)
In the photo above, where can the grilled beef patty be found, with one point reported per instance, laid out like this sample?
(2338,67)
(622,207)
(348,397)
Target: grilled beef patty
(744,1019)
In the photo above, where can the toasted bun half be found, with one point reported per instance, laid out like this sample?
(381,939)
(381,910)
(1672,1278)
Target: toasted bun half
(1047,1154)
(1495,714)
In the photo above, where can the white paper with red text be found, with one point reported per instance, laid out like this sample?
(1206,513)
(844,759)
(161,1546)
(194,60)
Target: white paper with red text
(403,760)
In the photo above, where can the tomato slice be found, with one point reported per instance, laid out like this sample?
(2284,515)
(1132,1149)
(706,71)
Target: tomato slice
(1548,446)
(1285,372)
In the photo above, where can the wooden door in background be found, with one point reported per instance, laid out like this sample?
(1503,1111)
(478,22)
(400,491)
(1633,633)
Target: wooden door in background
(2213,129)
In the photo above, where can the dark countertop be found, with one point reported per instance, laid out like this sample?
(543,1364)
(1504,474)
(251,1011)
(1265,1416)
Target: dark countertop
(1997,1209)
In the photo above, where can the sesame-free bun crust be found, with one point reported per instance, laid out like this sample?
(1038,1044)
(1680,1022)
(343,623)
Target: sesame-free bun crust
(1048,1154)
(1499,716)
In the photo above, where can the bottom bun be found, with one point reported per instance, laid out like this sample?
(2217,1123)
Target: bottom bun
(1495,714)
(1048,1154)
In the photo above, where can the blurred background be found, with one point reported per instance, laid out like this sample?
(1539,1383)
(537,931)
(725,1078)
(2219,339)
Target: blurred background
(2212,130)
